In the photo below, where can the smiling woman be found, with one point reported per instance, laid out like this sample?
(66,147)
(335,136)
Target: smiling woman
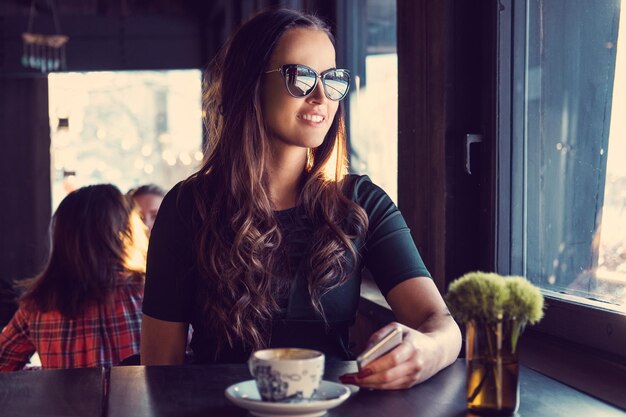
(291,120)
(265,244)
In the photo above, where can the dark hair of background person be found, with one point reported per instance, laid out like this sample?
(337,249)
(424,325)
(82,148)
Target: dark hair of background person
(238,239)
(96,238)
(146,189)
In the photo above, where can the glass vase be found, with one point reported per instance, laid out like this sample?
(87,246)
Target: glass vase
(492,367)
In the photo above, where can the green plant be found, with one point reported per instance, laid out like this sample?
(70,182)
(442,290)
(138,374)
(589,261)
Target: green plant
(494,307)
(489,297)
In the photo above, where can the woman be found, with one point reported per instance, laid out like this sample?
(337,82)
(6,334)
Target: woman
(264,245)
(84,310)
(148,199)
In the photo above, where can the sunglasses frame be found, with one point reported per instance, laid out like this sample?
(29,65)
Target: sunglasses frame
(319,76)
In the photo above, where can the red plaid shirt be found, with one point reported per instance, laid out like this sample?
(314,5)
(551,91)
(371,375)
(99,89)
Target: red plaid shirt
(103,335)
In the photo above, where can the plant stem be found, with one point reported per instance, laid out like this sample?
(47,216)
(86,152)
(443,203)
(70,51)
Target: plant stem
(489,332)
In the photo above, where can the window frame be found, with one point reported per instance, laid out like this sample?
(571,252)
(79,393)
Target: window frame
(566,317)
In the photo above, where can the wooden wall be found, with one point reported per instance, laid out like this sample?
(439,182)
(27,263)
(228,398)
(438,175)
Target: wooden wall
(446,62)
(25,174)
(24,181)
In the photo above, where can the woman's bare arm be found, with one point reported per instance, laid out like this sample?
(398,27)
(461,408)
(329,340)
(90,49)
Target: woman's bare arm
(431,338)
(162,342)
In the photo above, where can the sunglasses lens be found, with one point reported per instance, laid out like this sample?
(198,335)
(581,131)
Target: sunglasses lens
(336,84)
(300,80)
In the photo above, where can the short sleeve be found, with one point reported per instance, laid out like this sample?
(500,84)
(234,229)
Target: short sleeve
(169,292)
(390,253)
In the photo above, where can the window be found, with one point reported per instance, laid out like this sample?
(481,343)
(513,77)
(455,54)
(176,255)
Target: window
(125,128)
(373,109)
(562,176)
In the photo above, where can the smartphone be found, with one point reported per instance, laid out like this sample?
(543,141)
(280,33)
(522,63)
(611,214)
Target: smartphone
(384,345)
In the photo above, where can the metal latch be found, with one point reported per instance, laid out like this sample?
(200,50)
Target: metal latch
(469,139)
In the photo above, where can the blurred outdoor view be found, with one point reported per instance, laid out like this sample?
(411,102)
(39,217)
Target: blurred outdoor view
(611,271)
(575,151)
(374,124)
(124,128)
(374,103)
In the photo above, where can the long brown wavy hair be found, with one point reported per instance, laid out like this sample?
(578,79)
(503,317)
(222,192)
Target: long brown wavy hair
(238,239)
(97,239)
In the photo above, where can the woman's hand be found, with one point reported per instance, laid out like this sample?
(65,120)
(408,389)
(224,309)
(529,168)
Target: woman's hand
(431,339)
(414,360)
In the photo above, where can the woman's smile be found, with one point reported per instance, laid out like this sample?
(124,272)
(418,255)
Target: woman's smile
(312,119)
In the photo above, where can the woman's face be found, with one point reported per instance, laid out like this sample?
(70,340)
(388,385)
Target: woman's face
(300,122)
(148,205)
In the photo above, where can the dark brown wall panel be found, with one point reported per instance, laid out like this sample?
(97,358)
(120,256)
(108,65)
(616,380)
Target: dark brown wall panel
(24,176)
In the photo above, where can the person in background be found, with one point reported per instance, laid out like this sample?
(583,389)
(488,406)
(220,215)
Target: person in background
(148,198)
(84,309)
(265,244)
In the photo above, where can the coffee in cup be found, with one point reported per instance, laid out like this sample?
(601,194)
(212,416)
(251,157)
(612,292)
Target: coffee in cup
(287,374)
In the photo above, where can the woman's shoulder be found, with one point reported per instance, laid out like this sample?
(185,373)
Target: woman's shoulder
(26,309)
(180,215)
(362,188)
(130,279)
(180,196)
(129,287)
(179,202)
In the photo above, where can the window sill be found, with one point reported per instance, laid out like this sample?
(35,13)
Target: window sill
(580,367)
(585,369)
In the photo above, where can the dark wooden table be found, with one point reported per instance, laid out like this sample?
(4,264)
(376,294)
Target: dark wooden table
(71,392)
(190,391)
(185,391)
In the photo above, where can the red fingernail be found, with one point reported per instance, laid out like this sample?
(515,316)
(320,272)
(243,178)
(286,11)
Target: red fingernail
(347,379)
(364,373)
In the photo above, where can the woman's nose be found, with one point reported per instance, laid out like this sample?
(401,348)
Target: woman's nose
(317,95)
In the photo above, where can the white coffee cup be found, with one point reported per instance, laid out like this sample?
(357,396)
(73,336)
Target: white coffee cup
(287,374)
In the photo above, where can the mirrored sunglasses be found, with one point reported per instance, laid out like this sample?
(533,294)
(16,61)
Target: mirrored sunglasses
(301,80)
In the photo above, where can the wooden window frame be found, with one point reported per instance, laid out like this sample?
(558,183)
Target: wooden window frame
(442,98)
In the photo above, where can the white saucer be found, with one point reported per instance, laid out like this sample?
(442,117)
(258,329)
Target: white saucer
(245,394)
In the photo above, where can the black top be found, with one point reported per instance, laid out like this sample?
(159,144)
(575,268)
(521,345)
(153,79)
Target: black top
(387,251)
